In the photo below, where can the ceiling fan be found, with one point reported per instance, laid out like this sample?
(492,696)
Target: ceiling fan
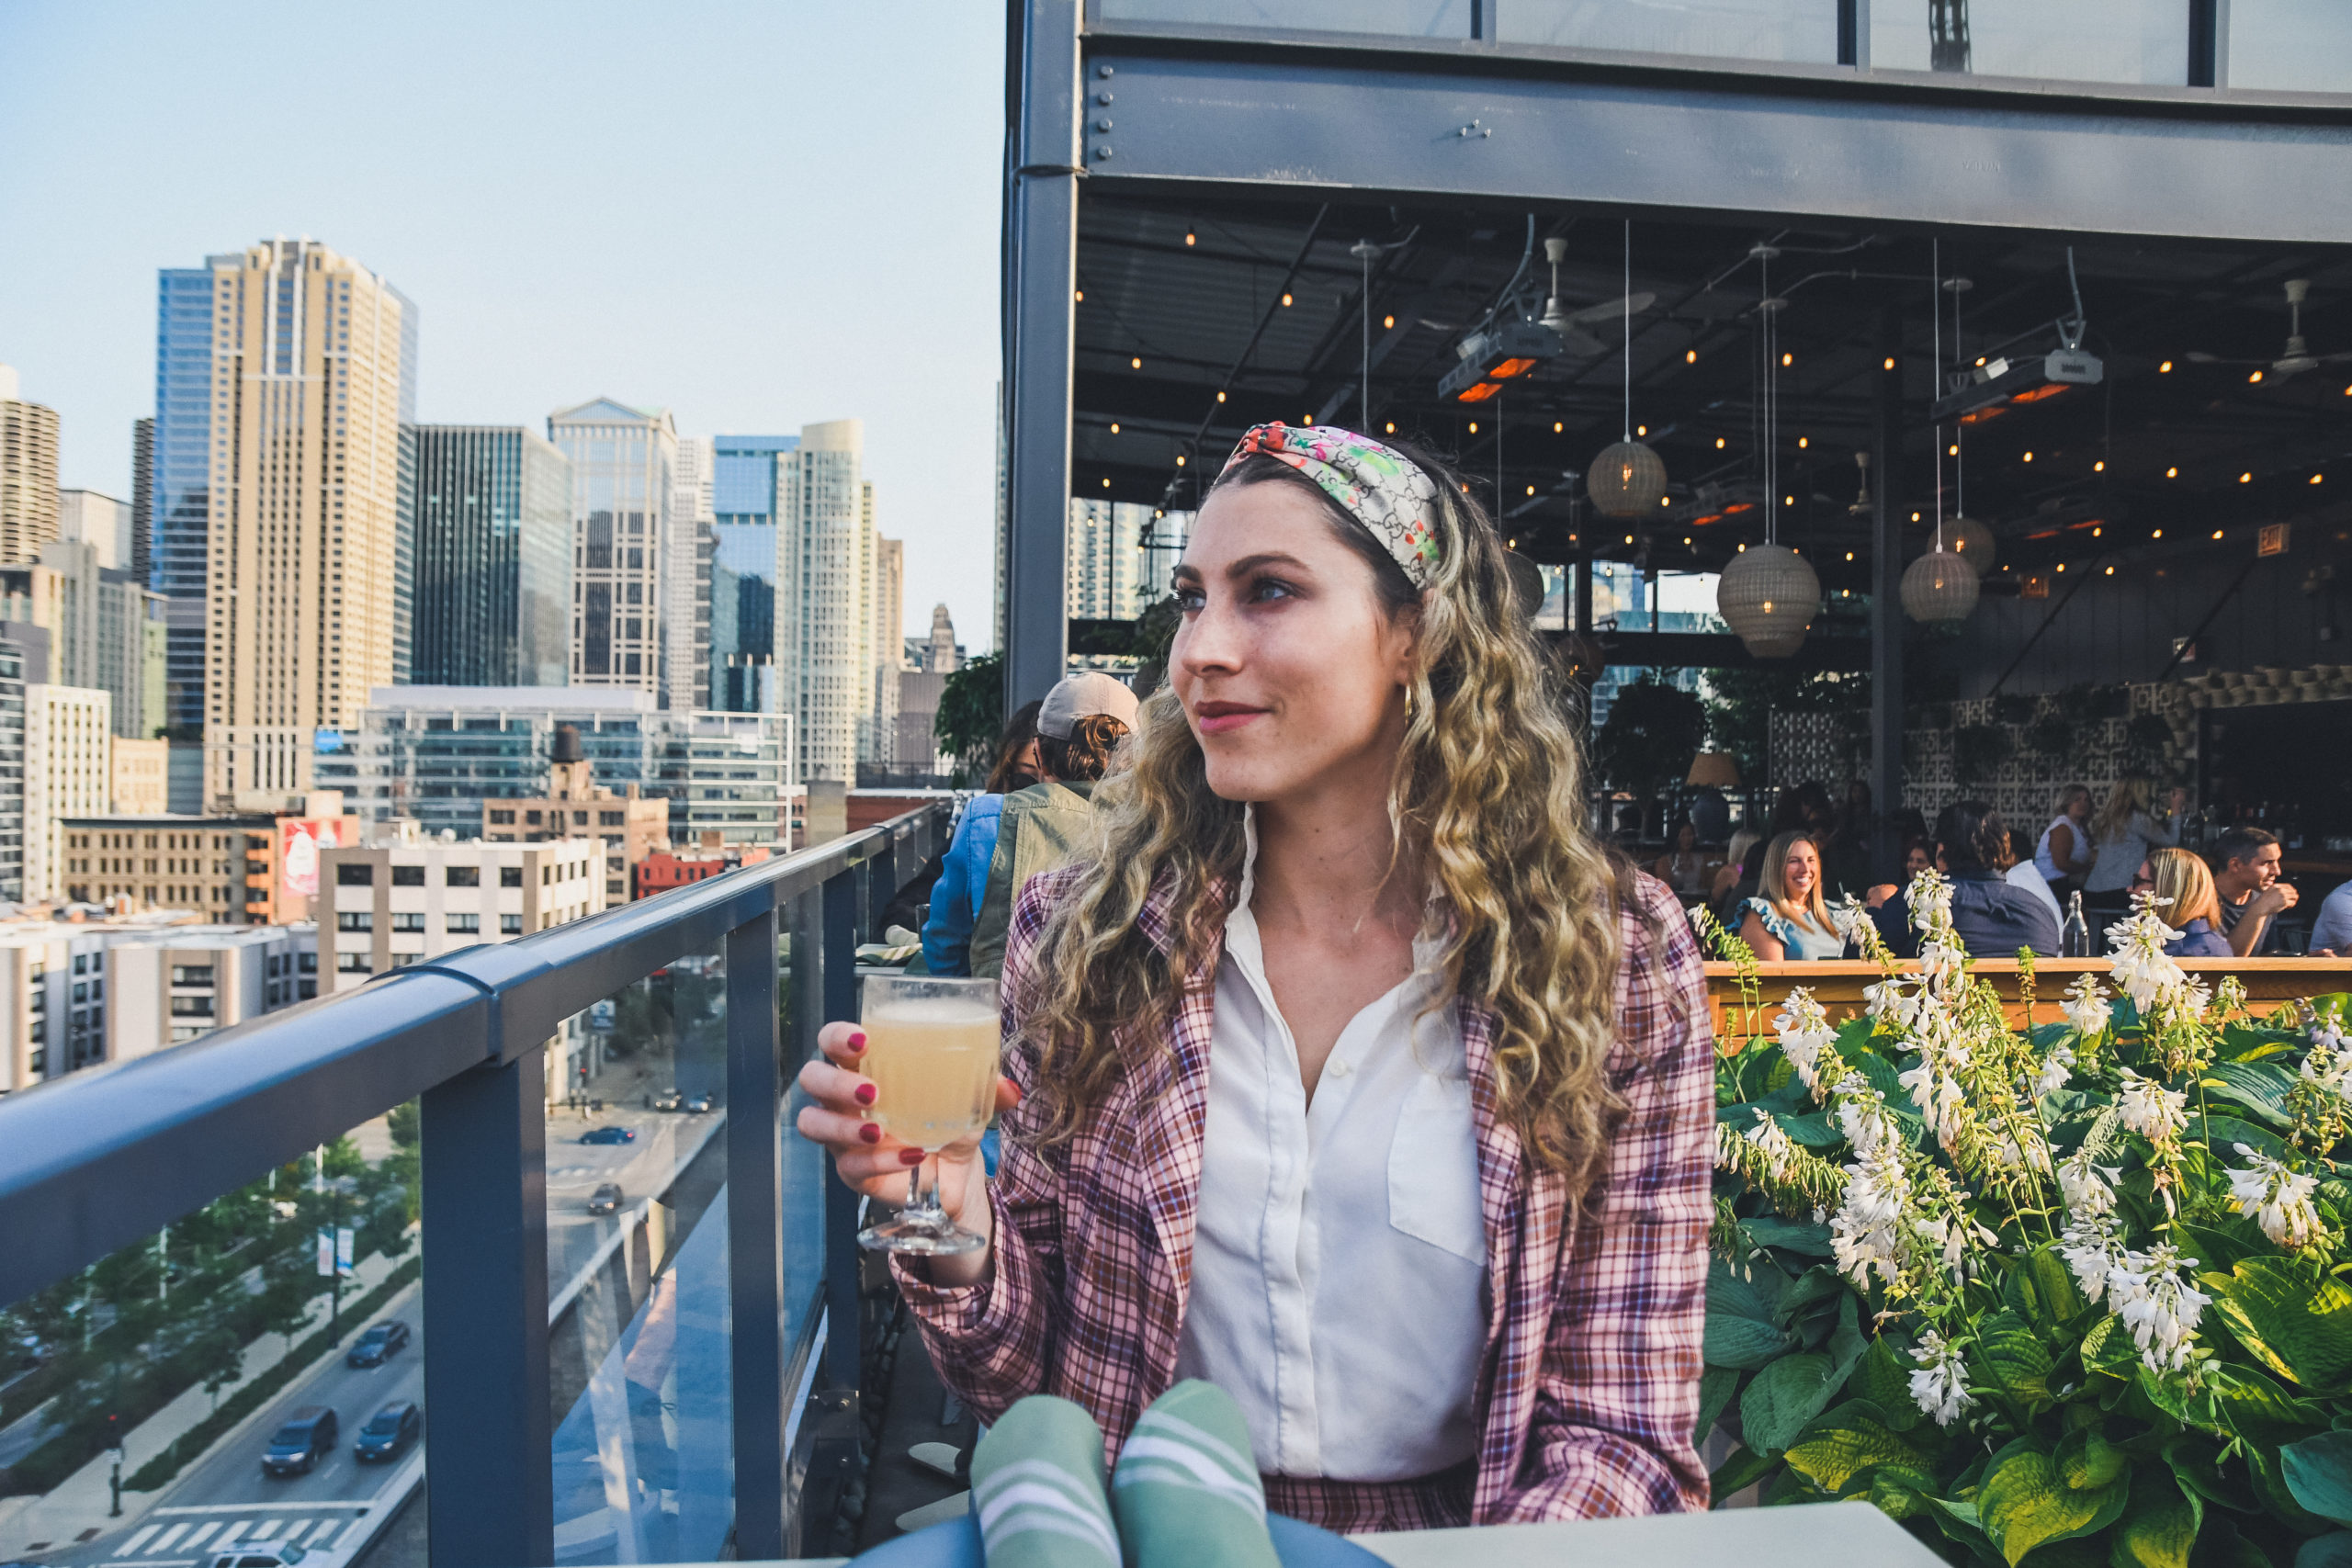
(1570,323)
(2298,357)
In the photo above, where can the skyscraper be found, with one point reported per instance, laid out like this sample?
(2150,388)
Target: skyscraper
(1118,558)
(180,465)
(493,557)
(104,629)
(88,517)
(743,566)
(68,772)
(686,577)
(143,498)
(28,473)
(887,642)
(823,625)
(313,367)
(622,463)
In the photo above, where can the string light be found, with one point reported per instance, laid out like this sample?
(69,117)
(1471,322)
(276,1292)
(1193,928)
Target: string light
(2315,479)
(1743,549)
(2100,466)
(1719,443)
(1134,364)
(2254,379)
(1788,359)
(2111,571)
(1952,450)
(2217,532)
(1115,427)
(1180,459)
(1388,321)
(2246,477)
(1081,296)
(1890,363)
(2062,566)
(1850,555)
(1220,396)
(2164,369)
(1690,356)
(1285,300)
(1473,427)
(1801,443)
(2172,473)
(2096,532)
(1392,427)
(1641,430)
(2157,534)
(1557,427)
(1531,489)
(2029,456)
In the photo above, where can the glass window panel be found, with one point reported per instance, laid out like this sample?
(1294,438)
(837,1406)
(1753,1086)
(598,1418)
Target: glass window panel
(639,1371)
(2289,45)
(2140,42)
(1407,18)
(1803,30)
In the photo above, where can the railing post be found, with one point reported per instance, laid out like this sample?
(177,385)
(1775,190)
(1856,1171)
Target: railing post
(836,995)
(755,1236)
(489,1490)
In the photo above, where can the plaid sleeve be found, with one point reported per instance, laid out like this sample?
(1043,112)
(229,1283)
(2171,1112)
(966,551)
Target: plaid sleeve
(992,1341)
(1618,1396)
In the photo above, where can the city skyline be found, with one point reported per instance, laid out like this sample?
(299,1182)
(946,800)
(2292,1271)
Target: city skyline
(834,295)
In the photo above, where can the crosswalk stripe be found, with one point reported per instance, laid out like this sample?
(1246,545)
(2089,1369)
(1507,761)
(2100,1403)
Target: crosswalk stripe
(268,1530)
(203,1533)
(164,1541)
(294,1532)
(327,1532)
(229,1536)
(130,1548)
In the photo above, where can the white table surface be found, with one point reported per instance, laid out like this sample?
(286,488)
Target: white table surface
(1800,1535)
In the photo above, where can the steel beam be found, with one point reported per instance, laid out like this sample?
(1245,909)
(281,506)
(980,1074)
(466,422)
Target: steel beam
(755,1091)
(489,1491)
(1040,280)
(1307,121)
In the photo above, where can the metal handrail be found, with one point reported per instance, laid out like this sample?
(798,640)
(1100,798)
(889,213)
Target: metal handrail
(110,1155)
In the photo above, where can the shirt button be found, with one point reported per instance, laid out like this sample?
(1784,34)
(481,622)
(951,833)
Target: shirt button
(1339,1068)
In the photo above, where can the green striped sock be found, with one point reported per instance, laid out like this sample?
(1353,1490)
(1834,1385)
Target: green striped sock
(1187,1489)
(1037,1489)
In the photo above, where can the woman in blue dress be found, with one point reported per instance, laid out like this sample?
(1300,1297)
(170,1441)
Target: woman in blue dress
(1789,919)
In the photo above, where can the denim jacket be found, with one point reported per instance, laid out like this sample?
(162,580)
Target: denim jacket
(963,878)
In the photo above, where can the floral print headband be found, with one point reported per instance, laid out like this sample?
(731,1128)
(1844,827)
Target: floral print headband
(1382,488)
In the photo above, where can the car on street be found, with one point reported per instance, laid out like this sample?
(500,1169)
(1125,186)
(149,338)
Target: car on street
(608,1136)
(605,1199)
(668,1099)
(371,1348)
(698,1103)
(294,1449)
(389,1432)
(262,1554)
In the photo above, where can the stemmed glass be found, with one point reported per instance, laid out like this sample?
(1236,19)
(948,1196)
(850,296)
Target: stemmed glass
(930,1049)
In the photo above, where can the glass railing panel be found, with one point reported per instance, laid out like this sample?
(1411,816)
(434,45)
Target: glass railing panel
(1404,19)
(1779,30)
(641,1397)
(2144,42)
(2299,46)
(251,1377)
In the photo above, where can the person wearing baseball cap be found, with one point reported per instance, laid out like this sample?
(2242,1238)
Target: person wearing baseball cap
(1084,718)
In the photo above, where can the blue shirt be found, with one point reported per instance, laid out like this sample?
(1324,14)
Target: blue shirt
(1991,918)
(963,879)
(2198,939)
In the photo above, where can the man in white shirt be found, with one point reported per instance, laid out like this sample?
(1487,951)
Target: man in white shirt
(2331,932)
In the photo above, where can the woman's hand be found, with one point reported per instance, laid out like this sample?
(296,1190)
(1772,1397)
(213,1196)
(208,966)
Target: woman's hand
(1877,897)
(877,1165)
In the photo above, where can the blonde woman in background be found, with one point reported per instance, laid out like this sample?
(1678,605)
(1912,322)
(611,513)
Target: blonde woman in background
(2123,831)
(1789,919)
(2186,901)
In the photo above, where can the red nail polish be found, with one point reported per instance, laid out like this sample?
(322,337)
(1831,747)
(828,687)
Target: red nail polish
(865,1093)
(870,1133)
(857,1041)
(910,1156)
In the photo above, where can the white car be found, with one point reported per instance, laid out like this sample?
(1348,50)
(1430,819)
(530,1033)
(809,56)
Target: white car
(266,1555)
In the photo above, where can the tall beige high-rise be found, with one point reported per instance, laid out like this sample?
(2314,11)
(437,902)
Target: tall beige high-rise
(824,623)
(28,474)
(888,640)
(311,366)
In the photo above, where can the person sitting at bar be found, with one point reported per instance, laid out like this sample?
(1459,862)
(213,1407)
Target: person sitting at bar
(2020,873)
(1728,875)
(1918,854)
(2246,882)
(1683,868)
(2332,929)
(956,897)
(1347,1074)
(2122,835)
(2185,902)
(1789,919)
(1992,918)
(2062,854)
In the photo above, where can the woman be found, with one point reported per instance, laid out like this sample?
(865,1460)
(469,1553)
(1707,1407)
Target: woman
(2062,854)
(1348,922)
(2122,833)
(964,872)
(1728,875)
(1917,856)
(1789,918)
(1683,868)
(2186,901)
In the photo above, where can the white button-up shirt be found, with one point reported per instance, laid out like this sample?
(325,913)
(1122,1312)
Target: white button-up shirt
(1339,1260)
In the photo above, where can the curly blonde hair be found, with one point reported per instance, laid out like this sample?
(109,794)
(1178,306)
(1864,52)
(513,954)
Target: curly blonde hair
(1487,797)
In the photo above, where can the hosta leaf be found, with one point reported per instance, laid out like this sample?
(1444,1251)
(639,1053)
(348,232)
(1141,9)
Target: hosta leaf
(2108,1348)
(2013,1358)
(1741,1469)
(2293,1321)
(2318,1472)
(2025,1503)
(1793,1235)
(2267,1468)
(1819,1283)
(2086,1460)
(2259,1409)
(1717,1385)
(1848,1442)
(2326,1551)
(1741,1344)
(1884,1377)
(2041,1289)
(2159,1528)
(2219,1133)
(2195,1460)
(1784,1396)
(2260,1087)
(1814,1130)
(2213,1248)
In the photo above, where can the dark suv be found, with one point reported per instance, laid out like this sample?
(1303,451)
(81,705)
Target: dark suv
(371,1348)
(389,1432)
(294,1449)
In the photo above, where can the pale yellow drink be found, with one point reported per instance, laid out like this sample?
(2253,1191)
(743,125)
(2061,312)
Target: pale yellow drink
(934,1062)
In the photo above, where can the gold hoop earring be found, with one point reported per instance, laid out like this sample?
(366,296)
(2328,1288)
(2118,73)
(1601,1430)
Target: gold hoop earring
(1408,701)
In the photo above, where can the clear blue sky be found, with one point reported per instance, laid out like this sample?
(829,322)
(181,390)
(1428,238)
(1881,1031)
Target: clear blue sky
(758,215)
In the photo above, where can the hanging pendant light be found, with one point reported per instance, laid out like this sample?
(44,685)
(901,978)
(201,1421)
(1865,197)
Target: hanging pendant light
(1767,594)
(1971,542)
(1941,585)
(1628,478)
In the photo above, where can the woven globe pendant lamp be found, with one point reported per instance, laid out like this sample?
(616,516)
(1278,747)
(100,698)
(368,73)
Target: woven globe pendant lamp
(1940,586)
(1768,596)
(1971,542)
(1625,481)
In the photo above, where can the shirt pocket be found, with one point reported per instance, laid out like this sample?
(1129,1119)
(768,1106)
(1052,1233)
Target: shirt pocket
(1433,1169)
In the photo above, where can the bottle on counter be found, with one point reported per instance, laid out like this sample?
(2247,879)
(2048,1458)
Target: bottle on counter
(2075,940)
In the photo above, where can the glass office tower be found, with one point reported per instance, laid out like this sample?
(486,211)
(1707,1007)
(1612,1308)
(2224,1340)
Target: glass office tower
(180,476)
(493,557)
(742,578)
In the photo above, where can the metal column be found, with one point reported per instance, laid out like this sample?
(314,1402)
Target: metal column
(756,1089)
(1040,280)
(489,1491)
(835,994)
(1886,593)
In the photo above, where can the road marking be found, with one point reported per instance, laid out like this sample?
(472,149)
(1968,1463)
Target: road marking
(160,1562)
(138,1542)
(164,1541)
(326,1532)
(268,1530)
(232,1532)
(203,1533)
(294,1532)
(260,1507)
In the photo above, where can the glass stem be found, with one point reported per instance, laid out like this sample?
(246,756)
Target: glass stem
(914,1189)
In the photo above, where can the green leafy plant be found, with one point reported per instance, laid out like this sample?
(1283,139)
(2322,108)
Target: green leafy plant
(2073,1294)
(971,713)
(1651,734)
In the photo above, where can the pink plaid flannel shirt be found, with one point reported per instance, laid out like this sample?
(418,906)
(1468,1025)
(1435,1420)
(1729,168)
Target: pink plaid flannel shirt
(1589,1391)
